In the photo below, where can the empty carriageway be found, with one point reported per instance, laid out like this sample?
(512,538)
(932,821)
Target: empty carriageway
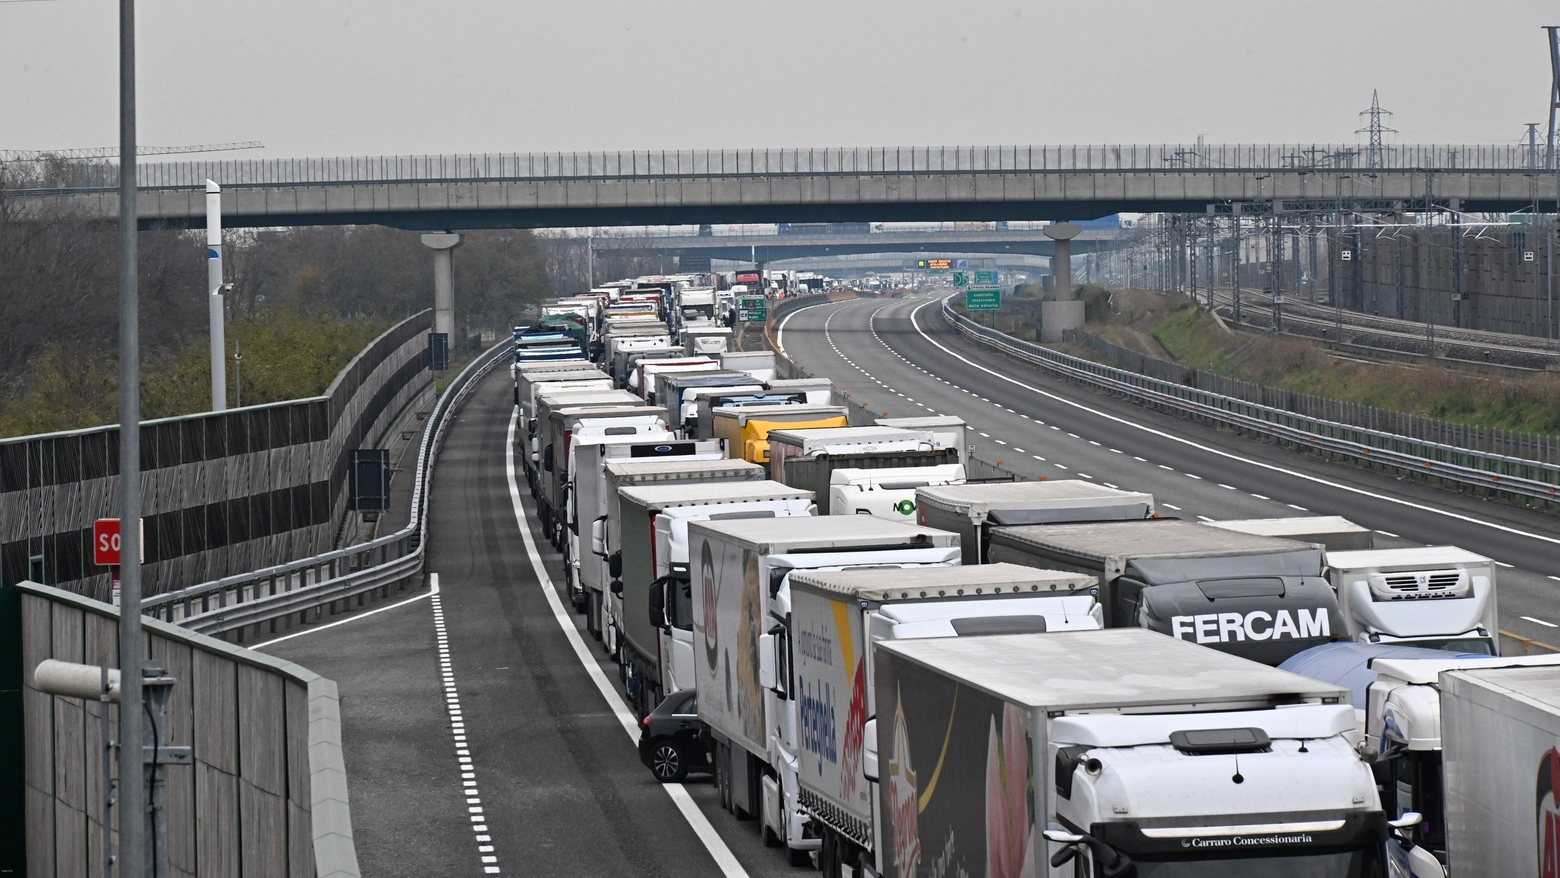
(899,356)
(483,729)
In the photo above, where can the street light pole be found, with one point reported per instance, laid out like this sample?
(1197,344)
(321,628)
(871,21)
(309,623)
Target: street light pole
(133,852)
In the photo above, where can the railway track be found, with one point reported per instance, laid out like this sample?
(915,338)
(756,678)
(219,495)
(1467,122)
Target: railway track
(1386,334)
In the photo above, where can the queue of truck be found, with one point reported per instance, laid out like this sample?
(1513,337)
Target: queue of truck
(904,670)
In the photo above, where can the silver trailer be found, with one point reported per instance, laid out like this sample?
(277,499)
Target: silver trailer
(1334,532)
(971,511)
(948,431)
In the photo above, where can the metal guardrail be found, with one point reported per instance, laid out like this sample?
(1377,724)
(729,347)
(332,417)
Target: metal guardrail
(235,602)
(1510,475)
(640,164)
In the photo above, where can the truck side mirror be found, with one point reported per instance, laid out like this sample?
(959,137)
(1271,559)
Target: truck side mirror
(617,587)
(657,601)
(598,537)
(615,565)
(766,661)
(869,751)
(547,458)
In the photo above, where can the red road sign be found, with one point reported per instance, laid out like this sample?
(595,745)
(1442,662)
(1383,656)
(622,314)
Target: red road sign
(105,542)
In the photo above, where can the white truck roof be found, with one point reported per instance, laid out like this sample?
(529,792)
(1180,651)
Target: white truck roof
(648,413)
(586,398)
(1115,668)
(1144,539)
(708,493)
(792,385)
(1426,672)
(923,422)
(1414,558)
(856,439)
(1312,528)
(930,583)
(891,478)
(683,470)
(981,500)
(799,412)
(826,532)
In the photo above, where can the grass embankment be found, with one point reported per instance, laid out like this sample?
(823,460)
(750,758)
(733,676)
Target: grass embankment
(284,357)
(1530,404)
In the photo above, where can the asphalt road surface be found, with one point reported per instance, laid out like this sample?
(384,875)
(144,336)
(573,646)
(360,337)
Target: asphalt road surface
(899,356)
(508,759)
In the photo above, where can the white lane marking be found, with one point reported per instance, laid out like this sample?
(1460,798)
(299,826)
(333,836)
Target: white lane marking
(432,591)
(999,441)
(986,435)
(1085,476)
(1109,485)
(1092,442)
(1170,468)
(1504,564)
(1203,518)
(1115,451)
(679,794)
(1317,480)
(1168,506)
(1539,621)
(1385,534)
(1020,450)
(1226,487)
(1038,457)
(1059,466)
(458,726)
(1138,459)
(1190,476)
(1293,506)
(1555,578)
(1261,497)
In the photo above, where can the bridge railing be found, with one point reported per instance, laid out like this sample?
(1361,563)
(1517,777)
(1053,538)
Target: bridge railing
(1501,473)
(640,164)
(252,598)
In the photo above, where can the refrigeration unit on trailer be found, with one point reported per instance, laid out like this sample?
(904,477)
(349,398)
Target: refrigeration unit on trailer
(1439,597)
(1260,598)
(1500,738)
(655,587)
(948,431)
(606,533)
(888,492)
(809,458)
(1112,753)
(836,617)
(973,511)
(1334,532)
(746,428)
(741,573)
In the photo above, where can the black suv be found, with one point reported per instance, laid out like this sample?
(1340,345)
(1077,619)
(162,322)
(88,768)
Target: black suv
(671,738)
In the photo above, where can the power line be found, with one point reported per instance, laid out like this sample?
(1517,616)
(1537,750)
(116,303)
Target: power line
(108,152)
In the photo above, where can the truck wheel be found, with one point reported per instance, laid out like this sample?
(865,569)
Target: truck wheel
(829,855)
(668,763)
(800,858)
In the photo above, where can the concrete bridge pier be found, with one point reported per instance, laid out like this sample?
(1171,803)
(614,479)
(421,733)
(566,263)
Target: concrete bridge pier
(1062,312)
(443,245)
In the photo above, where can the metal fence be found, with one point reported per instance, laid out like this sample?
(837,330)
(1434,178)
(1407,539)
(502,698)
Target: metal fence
(272,594)
(637,164)
(1500,473)
(1506,443)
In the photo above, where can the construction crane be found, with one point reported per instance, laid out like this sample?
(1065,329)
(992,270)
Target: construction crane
(109,152)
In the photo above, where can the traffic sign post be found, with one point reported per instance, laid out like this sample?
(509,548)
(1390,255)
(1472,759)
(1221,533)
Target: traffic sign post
(105,548)
(983,299)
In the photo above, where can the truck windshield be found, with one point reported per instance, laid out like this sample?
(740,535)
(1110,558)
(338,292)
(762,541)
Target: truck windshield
(1347,864)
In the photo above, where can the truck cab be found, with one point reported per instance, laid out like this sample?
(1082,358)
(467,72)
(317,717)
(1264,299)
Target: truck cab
(886,493)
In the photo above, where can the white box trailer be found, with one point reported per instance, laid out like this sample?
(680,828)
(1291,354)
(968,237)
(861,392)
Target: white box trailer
(531,382)
(625,362)
(1500,737)
(841,442)
(542,408)
(536,369)
(1439,597)
(656,592)
(678,391)
(1260,598)
(707,400)
(971,511)
(706,341)
(606,535)
(741,591)
(1334,532)
(1113,752)
(818,390)
(759,364)
(948,431)
(837,617)
(642,379)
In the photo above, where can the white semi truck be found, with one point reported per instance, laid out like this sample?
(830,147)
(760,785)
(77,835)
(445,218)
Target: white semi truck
(1113,753)
(837,617)
(1438,597)
(654,585)
(1260,598)
(971,511)
(741,592)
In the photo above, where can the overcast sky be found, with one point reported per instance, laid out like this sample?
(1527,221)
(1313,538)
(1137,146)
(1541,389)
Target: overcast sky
(336,77)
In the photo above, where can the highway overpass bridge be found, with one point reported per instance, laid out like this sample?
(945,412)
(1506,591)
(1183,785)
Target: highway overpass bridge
(768,248)
(452,192)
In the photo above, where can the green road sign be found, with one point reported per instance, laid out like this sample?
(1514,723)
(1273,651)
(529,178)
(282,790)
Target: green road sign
(985,277)
(753,314)
(982,299)
(961,278)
